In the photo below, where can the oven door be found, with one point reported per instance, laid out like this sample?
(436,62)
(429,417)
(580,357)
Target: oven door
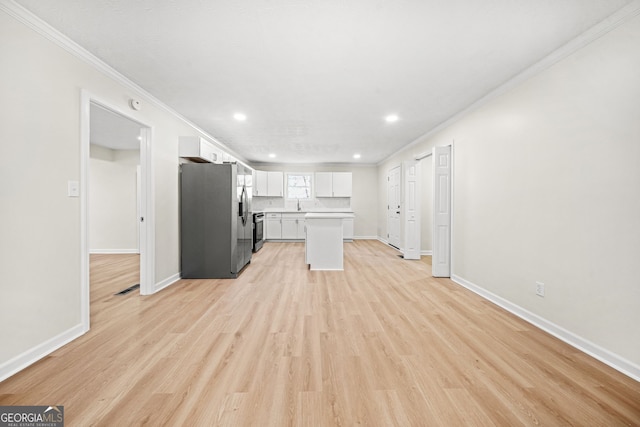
(258,231)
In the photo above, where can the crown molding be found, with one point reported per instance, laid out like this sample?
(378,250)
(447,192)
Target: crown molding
(605,26)
(41,27)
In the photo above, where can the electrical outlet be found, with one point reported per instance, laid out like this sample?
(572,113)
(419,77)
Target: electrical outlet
(540,289)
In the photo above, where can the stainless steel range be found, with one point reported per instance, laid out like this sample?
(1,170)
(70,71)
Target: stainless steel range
(258,230)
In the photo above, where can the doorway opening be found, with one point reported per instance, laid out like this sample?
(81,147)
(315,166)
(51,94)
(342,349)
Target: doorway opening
(393,206)
(436,203)
(116,206)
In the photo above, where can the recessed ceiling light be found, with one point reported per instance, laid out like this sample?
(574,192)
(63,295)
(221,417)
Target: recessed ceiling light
(240,117)
(272,155)
(356,156)
(391,118)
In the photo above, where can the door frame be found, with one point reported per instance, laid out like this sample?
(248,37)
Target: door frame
(399,195)
(146,235)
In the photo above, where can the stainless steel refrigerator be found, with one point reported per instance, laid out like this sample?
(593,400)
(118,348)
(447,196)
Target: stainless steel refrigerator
(215,220)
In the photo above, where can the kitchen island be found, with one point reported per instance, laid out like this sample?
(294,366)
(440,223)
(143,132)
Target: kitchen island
(324,241)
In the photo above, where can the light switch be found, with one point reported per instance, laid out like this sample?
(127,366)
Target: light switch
(73,189)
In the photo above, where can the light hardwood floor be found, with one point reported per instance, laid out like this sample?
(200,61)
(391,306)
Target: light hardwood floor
(381,344)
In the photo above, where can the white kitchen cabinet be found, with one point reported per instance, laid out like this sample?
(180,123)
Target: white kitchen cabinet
(289,228)
(293,226)
(268,184)
(273,226)
(324,184)
(198,150)
(259,183)
(275,184)
(342,184)
(333,184)
(226,157)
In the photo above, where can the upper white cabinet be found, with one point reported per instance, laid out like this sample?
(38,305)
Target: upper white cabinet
(268,184)
(333,184)
(228,158)
(199,150)
(275,184)
(342,184)
(260,183)
(324,184)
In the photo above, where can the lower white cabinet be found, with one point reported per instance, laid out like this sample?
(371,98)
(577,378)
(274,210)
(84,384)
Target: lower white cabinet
(293,226)
(274,226)
(289,228)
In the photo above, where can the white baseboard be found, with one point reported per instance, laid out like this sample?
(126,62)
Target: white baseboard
(31,356)
(36,353)
(380,239)
(114,251)
(386,242)
(166,282)
(365,238)
(605,356)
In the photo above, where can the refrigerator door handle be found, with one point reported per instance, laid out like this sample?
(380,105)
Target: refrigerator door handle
(246,205)
(243,205)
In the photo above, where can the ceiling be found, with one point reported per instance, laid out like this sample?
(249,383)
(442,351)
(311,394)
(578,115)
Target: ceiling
(316,79)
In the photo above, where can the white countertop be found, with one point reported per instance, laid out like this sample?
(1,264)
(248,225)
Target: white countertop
(328,215)
(319,210)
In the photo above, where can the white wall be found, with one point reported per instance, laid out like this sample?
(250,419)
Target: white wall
(363,202)
(546,188)
(113,207)
(40,226)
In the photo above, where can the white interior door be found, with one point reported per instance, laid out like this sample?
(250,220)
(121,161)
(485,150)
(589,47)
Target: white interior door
(411,182)
(393,207)
(441,262)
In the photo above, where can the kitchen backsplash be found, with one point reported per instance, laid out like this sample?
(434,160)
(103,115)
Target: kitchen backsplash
(262,203)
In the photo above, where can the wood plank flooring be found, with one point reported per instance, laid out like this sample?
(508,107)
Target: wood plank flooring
(380,344)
